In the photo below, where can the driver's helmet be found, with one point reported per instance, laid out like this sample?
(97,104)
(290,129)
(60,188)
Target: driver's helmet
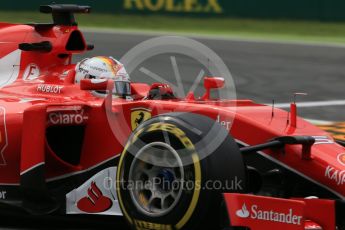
(104,68)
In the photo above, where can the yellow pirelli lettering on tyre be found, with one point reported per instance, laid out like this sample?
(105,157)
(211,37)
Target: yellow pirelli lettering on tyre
(136,135)
(196,161)
(196,194)
(118,184)
(181,135)
(144,225)
(173,129)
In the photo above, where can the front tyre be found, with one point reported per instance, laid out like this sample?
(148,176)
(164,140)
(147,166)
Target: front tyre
(167,179)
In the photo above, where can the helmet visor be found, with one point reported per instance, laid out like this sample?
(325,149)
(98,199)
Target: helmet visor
(122,88)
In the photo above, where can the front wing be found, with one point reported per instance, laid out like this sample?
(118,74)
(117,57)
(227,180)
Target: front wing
(262,213)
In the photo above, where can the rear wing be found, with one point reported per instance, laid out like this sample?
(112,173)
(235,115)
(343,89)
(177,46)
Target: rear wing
(63,14)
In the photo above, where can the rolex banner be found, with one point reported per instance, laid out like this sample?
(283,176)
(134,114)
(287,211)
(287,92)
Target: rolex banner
(322,10)
(176,6)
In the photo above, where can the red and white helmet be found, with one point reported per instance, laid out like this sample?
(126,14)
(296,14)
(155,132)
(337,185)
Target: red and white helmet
(104,68)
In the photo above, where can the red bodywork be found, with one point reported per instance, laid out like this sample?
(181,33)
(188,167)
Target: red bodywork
(38,92)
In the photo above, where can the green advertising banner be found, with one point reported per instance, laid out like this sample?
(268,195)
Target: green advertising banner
(176,6)
(271,9)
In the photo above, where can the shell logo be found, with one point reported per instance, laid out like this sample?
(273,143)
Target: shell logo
(341,158)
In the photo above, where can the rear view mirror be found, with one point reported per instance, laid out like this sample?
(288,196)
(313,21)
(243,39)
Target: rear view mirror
(212,83)
(96,84)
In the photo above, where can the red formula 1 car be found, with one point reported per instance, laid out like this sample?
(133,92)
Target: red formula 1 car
(161,162)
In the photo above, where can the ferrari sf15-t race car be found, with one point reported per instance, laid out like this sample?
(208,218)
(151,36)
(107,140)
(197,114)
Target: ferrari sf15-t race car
(160,161)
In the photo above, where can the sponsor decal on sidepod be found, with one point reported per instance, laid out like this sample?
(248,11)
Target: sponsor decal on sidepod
(256,213)
(60,118)
(223,122)
(335,175)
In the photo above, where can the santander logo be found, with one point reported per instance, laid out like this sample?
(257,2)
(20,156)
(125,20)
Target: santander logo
(243,213)
(95,202)
(257,213)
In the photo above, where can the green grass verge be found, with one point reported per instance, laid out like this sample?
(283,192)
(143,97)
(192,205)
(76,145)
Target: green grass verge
(229,27)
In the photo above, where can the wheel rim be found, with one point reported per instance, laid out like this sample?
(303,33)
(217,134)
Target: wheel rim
(156,176)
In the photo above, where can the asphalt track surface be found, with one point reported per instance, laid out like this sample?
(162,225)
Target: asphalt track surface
(262,71)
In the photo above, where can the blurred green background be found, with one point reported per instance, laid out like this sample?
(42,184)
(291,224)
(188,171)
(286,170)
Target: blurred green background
(307,20)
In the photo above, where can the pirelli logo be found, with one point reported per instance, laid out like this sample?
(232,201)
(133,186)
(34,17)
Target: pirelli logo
(336,129)
(143,225)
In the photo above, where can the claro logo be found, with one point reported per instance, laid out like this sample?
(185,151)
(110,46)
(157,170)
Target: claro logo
(59,118)
(256,213)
